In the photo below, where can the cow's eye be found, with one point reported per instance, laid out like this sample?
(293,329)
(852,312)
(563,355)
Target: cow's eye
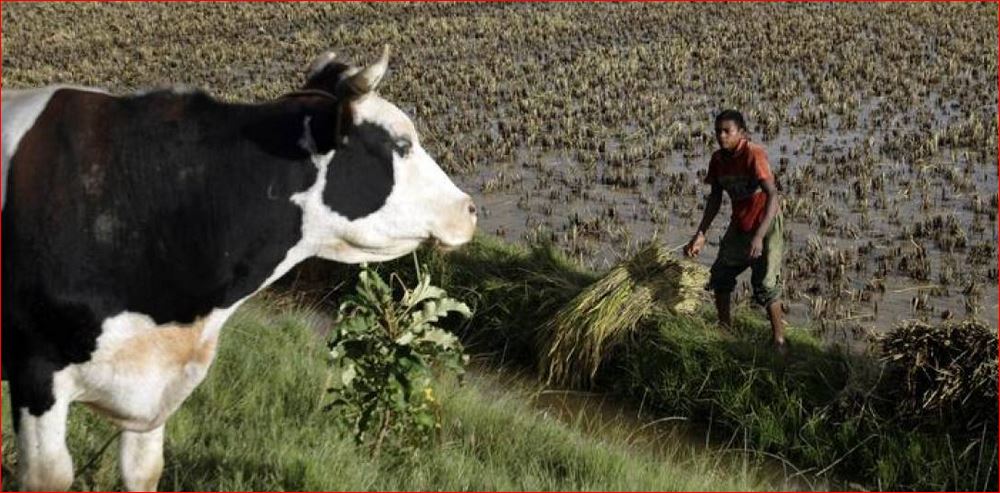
(404,146)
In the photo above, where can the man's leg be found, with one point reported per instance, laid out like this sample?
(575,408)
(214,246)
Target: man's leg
(775,313)
(766,281)
(731,261)
(723,301)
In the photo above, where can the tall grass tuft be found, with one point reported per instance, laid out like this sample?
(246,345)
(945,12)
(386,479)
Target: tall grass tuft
(581,335)
(513,290)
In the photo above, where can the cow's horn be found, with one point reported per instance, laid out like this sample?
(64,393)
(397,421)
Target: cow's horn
(365,81)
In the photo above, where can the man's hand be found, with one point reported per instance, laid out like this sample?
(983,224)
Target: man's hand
(756,247)
(694,246)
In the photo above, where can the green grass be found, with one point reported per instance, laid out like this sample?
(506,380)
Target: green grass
(826,415)
(825,412)
(822,410)
(256,424)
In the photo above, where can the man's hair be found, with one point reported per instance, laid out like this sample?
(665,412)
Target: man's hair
(733,116)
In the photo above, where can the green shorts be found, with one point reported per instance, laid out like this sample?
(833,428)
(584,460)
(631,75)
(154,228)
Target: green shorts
(734,258)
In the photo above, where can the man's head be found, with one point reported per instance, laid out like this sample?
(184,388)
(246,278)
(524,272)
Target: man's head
(730,129)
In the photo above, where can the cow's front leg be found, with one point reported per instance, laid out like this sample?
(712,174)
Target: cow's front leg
(141,459)
(44,463)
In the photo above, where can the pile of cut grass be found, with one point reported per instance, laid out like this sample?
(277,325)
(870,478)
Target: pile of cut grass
(947,371)
(512,290)
(586,331)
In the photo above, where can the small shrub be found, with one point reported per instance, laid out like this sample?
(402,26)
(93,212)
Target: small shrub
(384,352)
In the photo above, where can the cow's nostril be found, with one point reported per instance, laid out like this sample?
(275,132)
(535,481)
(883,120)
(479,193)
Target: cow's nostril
(471,207)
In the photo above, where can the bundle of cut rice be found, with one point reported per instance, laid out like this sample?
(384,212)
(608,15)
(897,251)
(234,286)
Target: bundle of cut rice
(949,368)
(576,340)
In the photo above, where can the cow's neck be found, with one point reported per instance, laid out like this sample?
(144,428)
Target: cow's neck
(254,228)
(219,215)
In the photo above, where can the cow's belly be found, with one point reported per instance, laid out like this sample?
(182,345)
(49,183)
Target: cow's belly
(142,406)
(141,373)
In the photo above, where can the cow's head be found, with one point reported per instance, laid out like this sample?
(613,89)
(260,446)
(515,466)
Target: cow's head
(379,194)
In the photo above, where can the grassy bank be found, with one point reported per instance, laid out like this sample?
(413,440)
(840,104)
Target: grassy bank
(256,424)
(827,413)
(822,410)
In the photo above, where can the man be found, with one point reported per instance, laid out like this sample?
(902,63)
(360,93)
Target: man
(754,236)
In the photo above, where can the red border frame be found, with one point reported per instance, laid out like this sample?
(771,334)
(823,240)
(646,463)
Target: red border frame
(995,2)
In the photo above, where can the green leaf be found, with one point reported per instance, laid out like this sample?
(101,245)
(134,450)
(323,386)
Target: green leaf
(405,339)
(435,310)
(440,338)
(424,419)
(336,352)
(348,375)
(423,291)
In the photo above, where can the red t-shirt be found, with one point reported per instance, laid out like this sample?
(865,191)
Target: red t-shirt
(740,175)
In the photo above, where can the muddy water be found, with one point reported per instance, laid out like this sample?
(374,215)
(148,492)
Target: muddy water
(599,212)
(673,438)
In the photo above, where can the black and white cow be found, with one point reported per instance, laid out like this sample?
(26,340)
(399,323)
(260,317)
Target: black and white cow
(136,225)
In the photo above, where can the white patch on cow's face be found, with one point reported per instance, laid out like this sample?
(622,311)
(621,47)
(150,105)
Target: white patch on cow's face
(423,204)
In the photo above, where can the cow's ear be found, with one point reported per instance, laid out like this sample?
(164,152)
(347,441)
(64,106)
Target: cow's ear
(319,64)
(335,76)
(326,72)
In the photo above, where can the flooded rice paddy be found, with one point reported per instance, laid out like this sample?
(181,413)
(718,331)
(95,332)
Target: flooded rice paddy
(590,125)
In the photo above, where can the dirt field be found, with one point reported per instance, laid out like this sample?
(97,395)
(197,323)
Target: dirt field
(590,125)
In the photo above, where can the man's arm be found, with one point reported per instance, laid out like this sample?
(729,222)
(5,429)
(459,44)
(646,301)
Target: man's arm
(712,206)
(757,244)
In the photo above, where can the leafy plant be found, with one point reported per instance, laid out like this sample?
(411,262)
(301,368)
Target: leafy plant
(384,353)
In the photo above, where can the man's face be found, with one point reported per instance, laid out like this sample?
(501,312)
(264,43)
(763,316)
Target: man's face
(728,134)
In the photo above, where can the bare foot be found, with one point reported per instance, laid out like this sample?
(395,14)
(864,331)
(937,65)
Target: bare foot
(781,347)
